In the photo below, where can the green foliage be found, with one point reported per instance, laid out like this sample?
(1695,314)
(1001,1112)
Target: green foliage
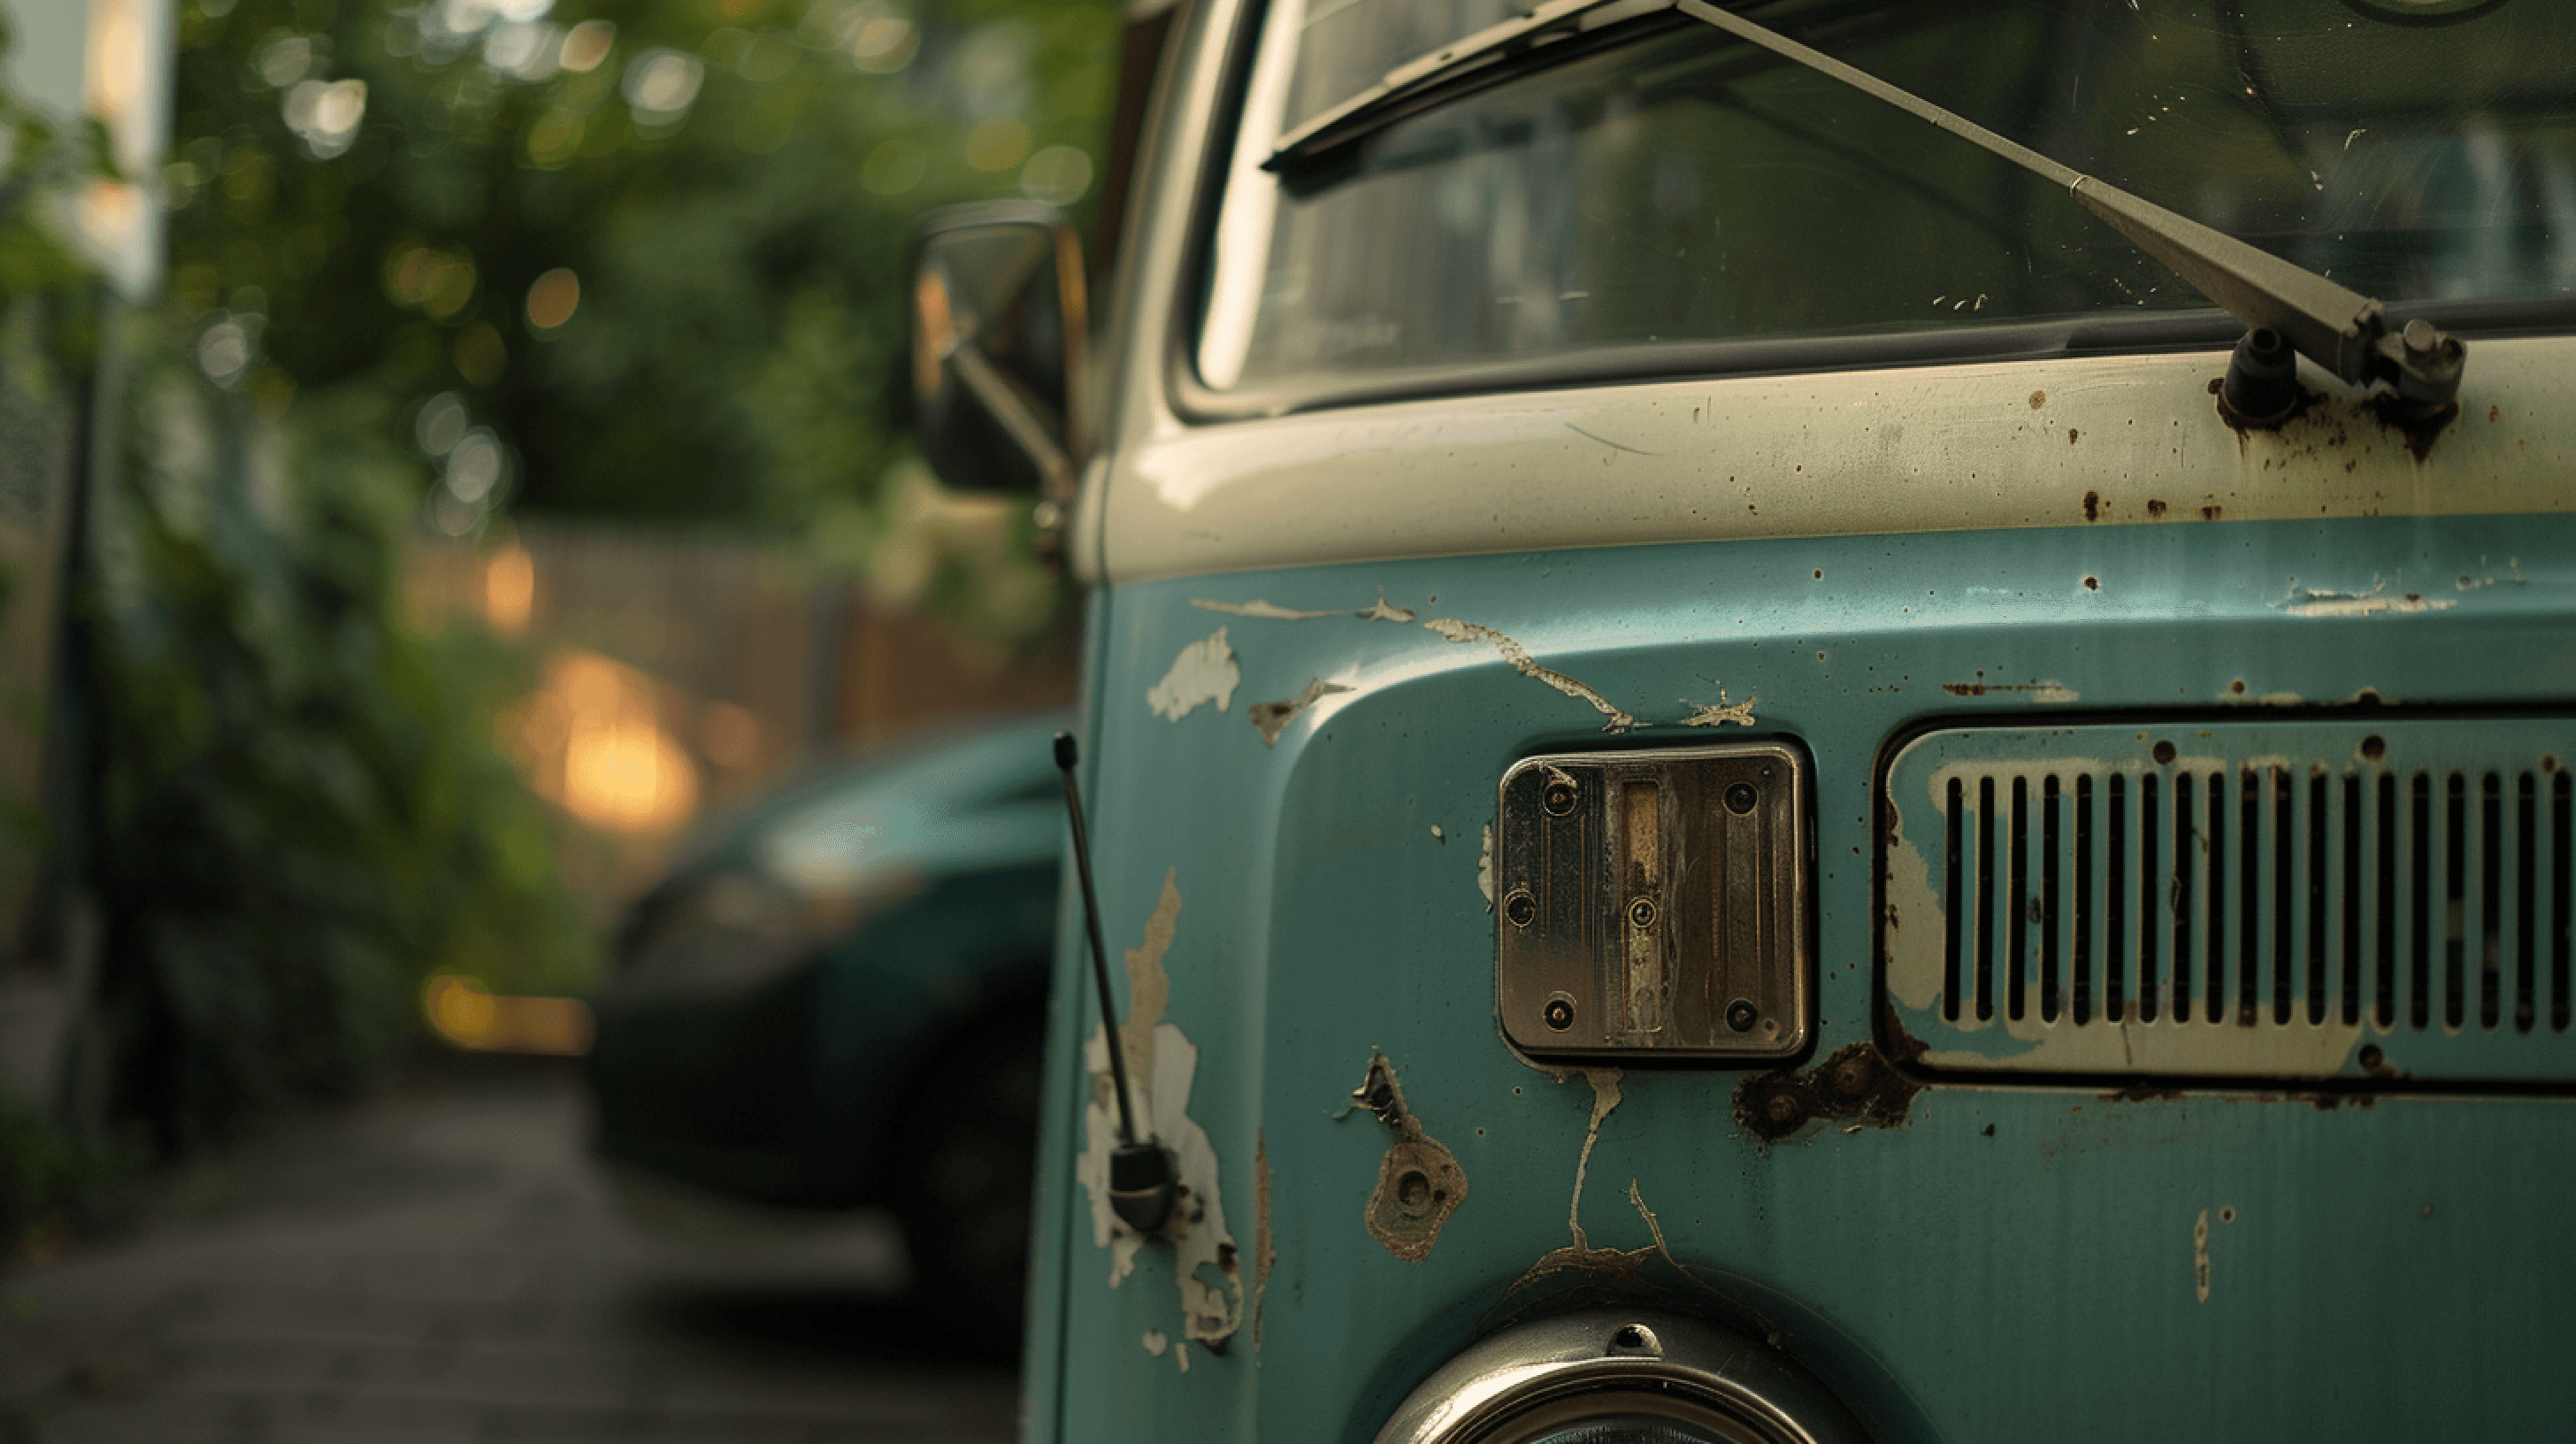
(303,813)
(50,1182)
(739,249)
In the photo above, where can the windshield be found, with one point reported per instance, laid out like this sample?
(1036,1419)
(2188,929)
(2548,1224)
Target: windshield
(1684,192)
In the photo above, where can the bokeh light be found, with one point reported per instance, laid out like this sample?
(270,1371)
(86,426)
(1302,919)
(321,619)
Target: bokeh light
(552,298)
(509,589)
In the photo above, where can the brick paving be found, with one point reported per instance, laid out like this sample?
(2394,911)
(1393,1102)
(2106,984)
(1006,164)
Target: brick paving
(444,1264)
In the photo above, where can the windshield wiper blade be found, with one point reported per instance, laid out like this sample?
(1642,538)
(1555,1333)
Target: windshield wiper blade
(2287,307)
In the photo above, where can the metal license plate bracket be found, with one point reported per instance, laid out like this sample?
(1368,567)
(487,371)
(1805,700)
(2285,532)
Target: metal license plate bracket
(1653,904)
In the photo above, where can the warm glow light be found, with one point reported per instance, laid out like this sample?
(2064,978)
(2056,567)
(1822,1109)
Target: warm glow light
(509,590)
(594,743)
(553,298)
(469,1015)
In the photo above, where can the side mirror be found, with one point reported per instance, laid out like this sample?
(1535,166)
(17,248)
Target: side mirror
(998,332)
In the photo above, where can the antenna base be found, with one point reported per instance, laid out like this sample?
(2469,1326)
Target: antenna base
(1143,1185)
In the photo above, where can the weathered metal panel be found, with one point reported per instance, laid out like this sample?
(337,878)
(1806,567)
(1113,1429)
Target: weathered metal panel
(1962,1262)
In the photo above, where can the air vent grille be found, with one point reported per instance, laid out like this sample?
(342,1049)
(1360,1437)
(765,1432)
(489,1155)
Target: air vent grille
(2272,899)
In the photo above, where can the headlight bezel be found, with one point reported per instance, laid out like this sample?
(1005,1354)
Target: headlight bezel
(1513,1386)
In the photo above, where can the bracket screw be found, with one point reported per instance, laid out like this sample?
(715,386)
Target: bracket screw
(1741,1015)
(1559,1014)
(1558,799)
(1641,913)
(1521,908)
(1740,798)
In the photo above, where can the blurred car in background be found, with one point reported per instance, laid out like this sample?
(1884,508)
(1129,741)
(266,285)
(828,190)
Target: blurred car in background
(837,997)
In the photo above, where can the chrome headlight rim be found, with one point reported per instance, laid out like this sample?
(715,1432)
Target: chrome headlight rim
(1555,1373)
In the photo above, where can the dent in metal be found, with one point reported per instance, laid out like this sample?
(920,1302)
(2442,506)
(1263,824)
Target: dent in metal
(1162,1067)
(1514,653)
(1272,718)
(1205,671)
(1419,1182)
(2311,602)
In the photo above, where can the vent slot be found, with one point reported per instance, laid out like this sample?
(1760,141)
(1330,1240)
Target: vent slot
(2285,898)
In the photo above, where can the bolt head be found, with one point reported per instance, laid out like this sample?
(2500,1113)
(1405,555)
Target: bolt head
(1559,1014)
(1741,797)
(1741,1015)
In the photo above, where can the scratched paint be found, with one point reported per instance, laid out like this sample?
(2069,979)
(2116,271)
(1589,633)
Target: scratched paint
(2200,1256)
(1271,719)
(1602,1263)
(2312,602)
(1204,672)
(1264,1255)
(1521,661)
(1720,712)
(1267,611)
(1163,1066)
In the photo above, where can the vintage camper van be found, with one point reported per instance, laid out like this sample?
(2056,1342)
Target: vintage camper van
(1808,721)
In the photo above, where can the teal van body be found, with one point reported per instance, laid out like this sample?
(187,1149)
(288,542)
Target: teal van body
(2185,865)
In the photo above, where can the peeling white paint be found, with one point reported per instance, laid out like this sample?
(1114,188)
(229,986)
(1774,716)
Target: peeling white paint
(1155,1343)
(1384,613)
(1721,713)
(1272,718)
(1181,1356)
(1514,653)
(1205,671)
(1437,835)
(1267,611)
(1163,1066)
(2200,1256)
(1485,868)
(2311,602)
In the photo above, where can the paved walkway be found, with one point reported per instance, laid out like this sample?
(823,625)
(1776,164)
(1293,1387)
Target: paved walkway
(443,1264)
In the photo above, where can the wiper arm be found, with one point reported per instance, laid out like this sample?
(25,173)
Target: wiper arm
(2288,307)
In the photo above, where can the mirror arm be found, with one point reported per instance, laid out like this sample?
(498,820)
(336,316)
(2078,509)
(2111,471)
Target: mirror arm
(1018,417)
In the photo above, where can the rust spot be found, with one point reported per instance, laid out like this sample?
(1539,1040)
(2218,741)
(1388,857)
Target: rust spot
(2143,1092)
(2092,506)
(2349,465)
(2092,584)
(1419,1183)
(2375,1062)
(2236,688)
(2211,512)
(1964,689)
(2217,385)
(1859,1083)
(2155,508)
(2038,399)
(2071,434)
(2421,430)
(2495,413)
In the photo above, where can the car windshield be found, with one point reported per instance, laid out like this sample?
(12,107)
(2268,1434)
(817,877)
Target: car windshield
(1670,198)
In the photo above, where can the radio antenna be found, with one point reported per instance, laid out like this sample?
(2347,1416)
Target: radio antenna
(1142,1185)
